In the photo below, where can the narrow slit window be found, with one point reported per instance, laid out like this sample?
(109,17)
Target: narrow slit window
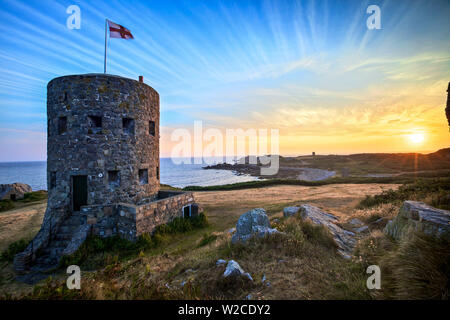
(52,180)
(128,125)
(62,125)
(143,176)
(157,173)
(152,128)
(114,178)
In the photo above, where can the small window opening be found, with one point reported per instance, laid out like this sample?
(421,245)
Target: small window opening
(187,211)
(113,178)
(94,124)
(152,128)
(128,125)
(62,125)
(52,180)
(143,176)
(157,173)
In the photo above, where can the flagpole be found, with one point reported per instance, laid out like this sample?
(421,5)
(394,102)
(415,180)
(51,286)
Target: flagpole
(106,34)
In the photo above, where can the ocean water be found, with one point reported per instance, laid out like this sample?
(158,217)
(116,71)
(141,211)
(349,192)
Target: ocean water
(176,175)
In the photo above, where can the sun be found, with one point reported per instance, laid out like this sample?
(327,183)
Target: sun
(416,137)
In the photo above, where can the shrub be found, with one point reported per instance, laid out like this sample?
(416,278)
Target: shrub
(34,196)
(13,249)
(6,205)
(438,189)
(207,239)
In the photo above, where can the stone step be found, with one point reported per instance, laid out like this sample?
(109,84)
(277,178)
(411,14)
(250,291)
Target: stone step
(67,229)
(64,236)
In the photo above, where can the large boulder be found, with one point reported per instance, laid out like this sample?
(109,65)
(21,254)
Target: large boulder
(343,238)
(13,191)
(417,216)
(252,223)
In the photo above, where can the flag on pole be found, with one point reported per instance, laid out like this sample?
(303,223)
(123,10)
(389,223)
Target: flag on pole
(115,31)
(118,31)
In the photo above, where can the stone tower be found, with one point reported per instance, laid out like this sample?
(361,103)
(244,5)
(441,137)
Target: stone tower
(102,166)
(103,141)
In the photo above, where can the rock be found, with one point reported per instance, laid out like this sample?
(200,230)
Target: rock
(234,270)
(355,222)
(13,191)
(417,216)
(253,222)
(343,238)
(248,276)
(221,262)
(290,211)
(361,229)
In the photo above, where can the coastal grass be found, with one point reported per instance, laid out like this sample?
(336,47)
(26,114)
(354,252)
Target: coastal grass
(414,268)
(29,198)
(434,191)
(274,182)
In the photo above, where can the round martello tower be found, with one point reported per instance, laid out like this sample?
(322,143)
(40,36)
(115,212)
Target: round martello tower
(103,141)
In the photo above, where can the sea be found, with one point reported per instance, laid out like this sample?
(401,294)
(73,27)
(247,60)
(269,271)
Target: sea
(177,175)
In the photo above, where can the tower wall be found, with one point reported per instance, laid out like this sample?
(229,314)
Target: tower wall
(105,128)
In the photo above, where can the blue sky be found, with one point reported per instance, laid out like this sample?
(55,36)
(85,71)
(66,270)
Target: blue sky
(310,68)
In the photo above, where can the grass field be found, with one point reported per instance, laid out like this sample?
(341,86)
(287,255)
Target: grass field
(302,264)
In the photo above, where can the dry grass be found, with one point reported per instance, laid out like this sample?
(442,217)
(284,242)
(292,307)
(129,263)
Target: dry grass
(20,223)
(302,265)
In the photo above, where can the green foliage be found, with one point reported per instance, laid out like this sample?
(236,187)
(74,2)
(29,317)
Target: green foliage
(55,290)
(273,182)
(34,196)
(13,249)
(6,204)
(207,239)
(436,189)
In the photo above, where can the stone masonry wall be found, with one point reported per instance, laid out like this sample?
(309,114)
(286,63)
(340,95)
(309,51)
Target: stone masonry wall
(129,221)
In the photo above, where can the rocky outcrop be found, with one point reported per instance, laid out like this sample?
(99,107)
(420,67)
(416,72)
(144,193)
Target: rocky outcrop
(252,223)
(13,191)
(417,216)
(343,238)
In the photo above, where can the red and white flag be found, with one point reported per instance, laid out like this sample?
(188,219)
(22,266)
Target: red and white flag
(118,31)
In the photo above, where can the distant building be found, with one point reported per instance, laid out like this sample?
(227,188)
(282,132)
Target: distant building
(313,153)
(102,166)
